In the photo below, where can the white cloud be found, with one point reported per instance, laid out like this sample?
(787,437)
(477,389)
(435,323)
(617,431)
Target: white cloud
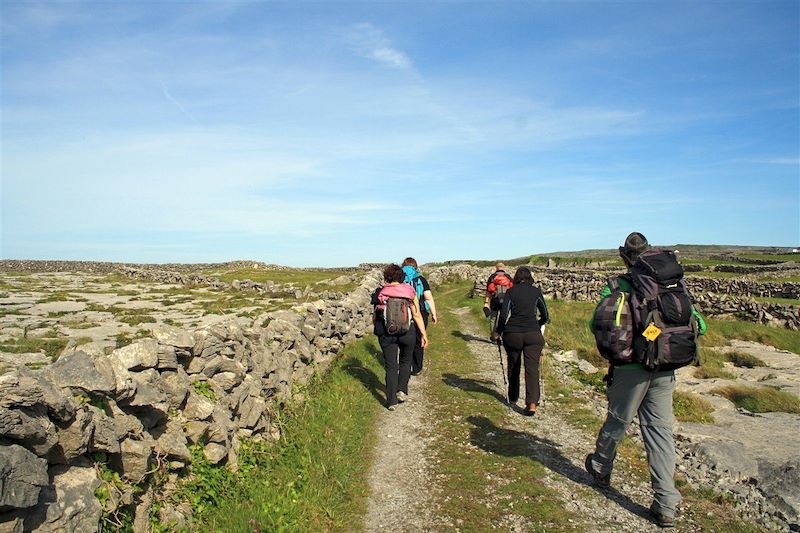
(370,42)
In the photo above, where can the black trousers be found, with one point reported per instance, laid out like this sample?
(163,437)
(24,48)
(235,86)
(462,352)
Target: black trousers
(419,351)
(397,353)
(524,346)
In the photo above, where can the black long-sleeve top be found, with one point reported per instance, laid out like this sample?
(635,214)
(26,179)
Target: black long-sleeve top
(519,311)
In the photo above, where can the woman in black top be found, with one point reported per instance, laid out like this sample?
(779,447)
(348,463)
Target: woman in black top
(522,336)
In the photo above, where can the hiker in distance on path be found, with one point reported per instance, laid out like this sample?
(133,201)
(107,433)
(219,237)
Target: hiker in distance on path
(426,306)
(645,325)
(396,306)
(496,286)
(522,318)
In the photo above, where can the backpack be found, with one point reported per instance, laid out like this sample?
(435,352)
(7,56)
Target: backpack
(665,329)
(502,282)
(613,326)
(396,311)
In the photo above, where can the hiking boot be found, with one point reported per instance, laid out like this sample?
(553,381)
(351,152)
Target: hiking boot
(392,407)
(402,396)
(530,410)
(601,480)
(660,518)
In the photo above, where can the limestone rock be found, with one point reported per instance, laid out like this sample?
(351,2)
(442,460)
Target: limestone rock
(172,442)
(215,453)
(73,440)
(70,501)
(78,370)
(22,476)
(176,386)
(195,431)
(135,458)
(175,337)
(19,387)
(30,427)
(104,437)
(167,358)
(198,407)
(138,355)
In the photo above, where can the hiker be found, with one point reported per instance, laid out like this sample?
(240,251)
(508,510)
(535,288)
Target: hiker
(641,377)
(396,305)
(426,306)
(496,286)
(521,330)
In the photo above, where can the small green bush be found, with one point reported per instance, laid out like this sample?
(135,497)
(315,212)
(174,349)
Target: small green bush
(760,399)
(745,360)
(690,407)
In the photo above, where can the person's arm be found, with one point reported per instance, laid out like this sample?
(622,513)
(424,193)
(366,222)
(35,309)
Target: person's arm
(544,316)
(417,317)
(428,296)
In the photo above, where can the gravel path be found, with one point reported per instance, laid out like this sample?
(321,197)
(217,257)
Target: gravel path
(400,475)
(403,474)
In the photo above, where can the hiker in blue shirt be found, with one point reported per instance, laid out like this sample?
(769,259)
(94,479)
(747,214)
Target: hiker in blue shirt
(426,306)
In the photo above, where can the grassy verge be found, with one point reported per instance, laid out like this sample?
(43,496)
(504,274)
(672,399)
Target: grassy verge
(760,399)
(480,463)
(689,407)
(721,331)
(313,479)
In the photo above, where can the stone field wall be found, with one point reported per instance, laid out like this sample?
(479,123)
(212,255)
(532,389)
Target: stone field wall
(142,406)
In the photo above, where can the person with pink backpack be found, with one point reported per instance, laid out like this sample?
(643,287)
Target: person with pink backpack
(396,308)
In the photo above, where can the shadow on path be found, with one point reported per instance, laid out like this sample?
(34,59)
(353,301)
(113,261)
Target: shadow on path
(471,338)
(474,385)
(371,381)
(510,443)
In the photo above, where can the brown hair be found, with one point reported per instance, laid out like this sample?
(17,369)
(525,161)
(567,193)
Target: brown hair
(410,261)
(392,273)
(523,275)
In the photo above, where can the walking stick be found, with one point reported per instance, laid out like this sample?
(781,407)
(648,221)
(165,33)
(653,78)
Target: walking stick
(541,375)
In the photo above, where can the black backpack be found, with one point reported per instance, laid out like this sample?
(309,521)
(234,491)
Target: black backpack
(613,326)
(397,315)
(665,329)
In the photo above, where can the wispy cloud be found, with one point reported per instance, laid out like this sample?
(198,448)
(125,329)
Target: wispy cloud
(370,42)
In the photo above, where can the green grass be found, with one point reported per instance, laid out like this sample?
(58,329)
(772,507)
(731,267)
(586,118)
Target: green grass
(299,278)
(314,478)
(760,399)
(569,330)
(710,274)
(690,407)
(721,331)
(52,345)
(782,301)
(711,365)
(744,360)
(787,279)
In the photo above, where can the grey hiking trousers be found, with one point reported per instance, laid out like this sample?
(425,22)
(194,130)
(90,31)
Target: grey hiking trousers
(636,389)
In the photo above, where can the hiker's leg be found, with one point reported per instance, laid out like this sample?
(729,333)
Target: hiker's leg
(419,352)
(656,419)
(406,343)
(624,397)
(513,345)
(532,352)
(391,352)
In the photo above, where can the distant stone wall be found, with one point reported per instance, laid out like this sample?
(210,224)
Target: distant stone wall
(101,267)
(714,297)
(145,404)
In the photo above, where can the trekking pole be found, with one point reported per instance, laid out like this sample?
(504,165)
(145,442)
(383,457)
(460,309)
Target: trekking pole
(541,374)
(503,368)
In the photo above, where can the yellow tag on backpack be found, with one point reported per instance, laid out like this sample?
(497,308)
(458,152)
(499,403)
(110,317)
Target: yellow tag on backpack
(651,333)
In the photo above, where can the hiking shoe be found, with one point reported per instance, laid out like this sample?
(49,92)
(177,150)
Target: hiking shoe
(392,407)
(599,479)
(530,410)
(660,518)
(401,396)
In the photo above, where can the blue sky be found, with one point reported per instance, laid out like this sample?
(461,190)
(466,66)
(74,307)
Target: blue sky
(333,133)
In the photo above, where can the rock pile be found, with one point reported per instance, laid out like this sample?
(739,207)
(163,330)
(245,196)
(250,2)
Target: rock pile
(144,405)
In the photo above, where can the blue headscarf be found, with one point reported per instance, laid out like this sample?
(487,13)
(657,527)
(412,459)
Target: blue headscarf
(411,273)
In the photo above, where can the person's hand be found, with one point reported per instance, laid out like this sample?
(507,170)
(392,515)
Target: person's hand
(424,342)
(435,320)
(486,311)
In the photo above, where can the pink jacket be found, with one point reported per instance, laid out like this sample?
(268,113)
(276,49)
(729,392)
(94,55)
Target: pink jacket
(402,290)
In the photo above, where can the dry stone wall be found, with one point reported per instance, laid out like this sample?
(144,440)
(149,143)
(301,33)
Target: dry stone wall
(143,406)
(713,297)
